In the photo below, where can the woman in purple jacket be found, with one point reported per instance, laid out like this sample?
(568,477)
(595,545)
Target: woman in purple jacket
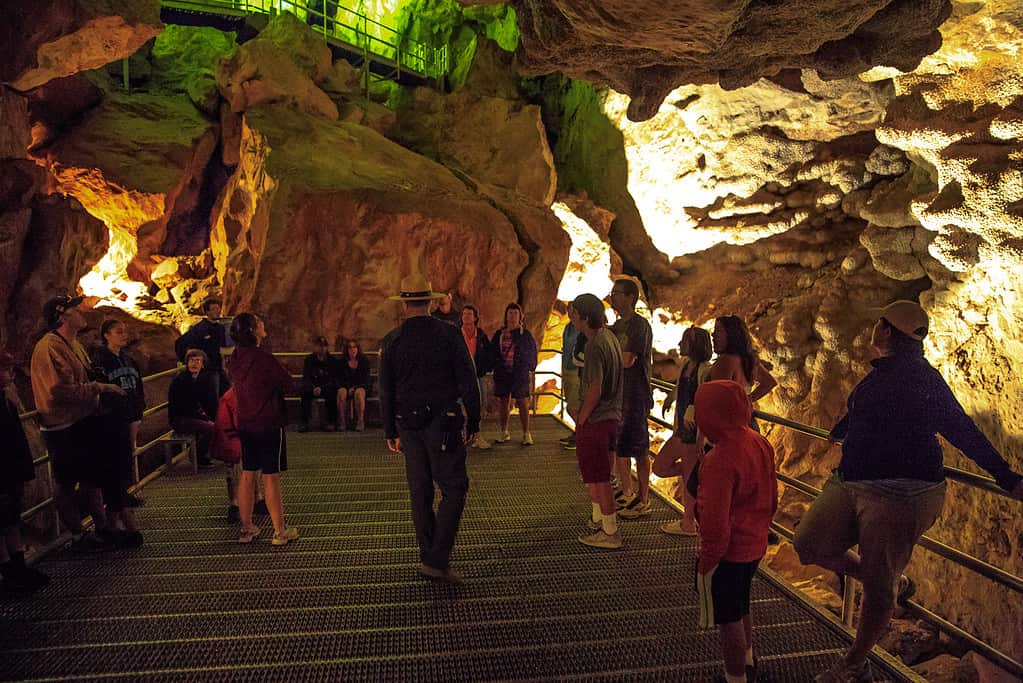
(514,352)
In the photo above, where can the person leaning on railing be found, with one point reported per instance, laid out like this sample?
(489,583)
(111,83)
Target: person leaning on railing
(889,487)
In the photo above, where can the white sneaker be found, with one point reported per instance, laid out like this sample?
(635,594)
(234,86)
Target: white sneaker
(286,536)
(481,443)
(504,438)
(599,539)
(527,439)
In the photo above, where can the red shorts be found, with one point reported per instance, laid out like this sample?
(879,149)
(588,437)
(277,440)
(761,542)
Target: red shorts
(594,442)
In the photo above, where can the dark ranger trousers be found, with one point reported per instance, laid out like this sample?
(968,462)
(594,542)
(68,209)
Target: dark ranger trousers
(426,463)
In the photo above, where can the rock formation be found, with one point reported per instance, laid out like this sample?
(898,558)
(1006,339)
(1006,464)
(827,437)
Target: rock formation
(647,49)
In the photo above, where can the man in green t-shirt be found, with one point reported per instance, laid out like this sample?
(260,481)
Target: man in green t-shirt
(598,419)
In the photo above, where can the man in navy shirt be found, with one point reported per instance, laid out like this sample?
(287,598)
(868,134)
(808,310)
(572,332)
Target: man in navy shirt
(889,487)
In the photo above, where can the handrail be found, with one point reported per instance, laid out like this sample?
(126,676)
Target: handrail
(408,54)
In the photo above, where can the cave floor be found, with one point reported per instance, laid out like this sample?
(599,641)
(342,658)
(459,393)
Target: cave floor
(344,602)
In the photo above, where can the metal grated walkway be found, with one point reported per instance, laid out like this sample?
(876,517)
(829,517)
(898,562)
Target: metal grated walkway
(344,601)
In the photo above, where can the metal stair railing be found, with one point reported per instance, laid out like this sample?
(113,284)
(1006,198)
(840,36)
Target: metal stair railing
(975,564)
(348,27)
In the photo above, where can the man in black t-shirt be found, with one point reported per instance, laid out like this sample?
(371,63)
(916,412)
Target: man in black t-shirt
(635,337)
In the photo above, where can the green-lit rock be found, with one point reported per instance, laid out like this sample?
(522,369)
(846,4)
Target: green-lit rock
(185,59)
(498,22)
(304,46)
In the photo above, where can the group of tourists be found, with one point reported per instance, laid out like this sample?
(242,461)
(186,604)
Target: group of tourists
(887,490)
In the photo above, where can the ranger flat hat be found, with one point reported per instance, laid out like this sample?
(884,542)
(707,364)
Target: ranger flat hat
(416,288)
(907,317)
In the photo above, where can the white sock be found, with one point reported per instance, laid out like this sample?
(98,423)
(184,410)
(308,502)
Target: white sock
(749,657)
(609,523)
(735,679)
(596,515)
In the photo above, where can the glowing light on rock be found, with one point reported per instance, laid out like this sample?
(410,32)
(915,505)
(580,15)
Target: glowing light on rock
(589,261)
(123,212)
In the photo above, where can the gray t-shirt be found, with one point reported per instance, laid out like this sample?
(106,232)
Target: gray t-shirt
(604,365)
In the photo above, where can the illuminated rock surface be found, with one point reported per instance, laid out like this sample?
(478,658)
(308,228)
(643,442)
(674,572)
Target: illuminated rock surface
(48,39)
(312,240)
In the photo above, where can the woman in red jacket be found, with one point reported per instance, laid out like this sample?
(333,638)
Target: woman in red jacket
(259,382)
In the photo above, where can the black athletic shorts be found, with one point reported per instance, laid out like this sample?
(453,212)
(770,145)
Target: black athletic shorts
(633,435)
(74,454)
(11,504)
(728,593)
(266,451)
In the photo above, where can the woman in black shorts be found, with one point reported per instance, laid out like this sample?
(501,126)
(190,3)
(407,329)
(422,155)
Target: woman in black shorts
(259,382)
(514,352)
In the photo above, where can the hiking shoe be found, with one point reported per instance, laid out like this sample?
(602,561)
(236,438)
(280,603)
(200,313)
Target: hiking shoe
(129,540)
(481,443)
(259,508)
(906,590)
(527,439)
(285,537)
(639,509)
(676,529)
(846,673)
(233,515)
(626,502)
(91,543)
(568,445)
(599,539)
(565,439)
(449,575)
(504,438)
(248,535)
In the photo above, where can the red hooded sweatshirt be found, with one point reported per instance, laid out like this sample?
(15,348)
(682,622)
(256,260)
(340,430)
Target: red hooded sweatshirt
(738,492)
(259,382)
(227,445)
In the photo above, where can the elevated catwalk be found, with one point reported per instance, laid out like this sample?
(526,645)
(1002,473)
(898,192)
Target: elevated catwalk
(344,601)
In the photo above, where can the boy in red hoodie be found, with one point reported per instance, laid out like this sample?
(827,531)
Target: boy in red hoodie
(736,501)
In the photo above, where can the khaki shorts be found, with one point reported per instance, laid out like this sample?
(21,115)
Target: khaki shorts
(886,527)
(570,390)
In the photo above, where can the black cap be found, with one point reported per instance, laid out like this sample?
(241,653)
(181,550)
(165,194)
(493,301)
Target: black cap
(56,307)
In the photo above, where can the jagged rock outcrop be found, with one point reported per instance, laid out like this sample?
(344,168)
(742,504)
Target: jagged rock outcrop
(59,104)
(40,41)
(135,162)
(647,49)
(185,58)
(448,128)
(280,66)
(308,240)
(16,131)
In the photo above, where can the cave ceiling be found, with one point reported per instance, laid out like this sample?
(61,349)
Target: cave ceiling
(647,48)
